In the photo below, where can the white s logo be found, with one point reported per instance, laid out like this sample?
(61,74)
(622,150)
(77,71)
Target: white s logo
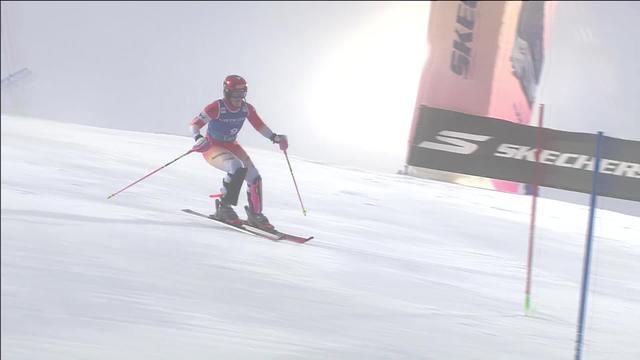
(457,146)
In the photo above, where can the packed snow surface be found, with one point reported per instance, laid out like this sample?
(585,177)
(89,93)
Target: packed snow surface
(400,267)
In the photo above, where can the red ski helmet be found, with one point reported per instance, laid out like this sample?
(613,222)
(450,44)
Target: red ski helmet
(234,87)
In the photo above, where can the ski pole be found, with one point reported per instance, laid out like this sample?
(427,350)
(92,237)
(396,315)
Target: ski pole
(304,211)
(153,172)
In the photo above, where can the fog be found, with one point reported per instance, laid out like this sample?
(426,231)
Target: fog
(591,74)
(316,71)
(339,78)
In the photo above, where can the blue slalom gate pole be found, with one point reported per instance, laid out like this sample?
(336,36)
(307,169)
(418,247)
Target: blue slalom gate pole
(587,255)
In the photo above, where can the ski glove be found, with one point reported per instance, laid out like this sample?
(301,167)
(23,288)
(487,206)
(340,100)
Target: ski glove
(280,140)
(202,144)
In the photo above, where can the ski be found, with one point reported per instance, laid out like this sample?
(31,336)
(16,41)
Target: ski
(239,228)
(246,228)
(281,235)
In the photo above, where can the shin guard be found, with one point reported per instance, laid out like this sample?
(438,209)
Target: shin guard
(232,188)
(254,195)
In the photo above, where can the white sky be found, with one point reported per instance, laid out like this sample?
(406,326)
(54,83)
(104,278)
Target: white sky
(339,78)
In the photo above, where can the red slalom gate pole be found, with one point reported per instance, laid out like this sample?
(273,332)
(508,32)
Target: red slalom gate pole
(153,172)
(304,211)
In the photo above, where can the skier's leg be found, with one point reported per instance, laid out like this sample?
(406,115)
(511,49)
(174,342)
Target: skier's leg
(254,195)
(253,178)
(254,189)
(222,158)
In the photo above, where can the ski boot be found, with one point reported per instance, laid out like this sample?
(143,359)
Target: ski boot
(231,189)
(224,212)
(258,220)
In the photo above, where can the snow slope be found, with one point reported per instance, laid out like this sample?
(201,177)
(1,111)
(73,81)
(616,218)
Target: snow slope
(400,268)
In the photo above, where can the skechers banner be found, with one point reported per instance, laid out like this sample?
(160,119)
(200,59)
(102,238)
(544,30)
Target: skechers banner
(482,146)
(485,58)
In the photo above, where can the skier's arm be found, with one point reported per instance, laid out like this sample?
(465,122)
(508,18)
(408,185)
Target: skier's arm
(209,113)
(263,129)
(257,123)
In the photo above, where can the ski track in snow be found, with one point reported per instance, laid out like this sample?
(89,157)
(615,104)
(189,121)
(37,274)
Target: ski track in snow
(400,268)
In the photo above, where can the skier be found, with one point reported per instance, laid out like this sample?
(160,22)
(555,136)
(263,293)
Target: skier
(220,149)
